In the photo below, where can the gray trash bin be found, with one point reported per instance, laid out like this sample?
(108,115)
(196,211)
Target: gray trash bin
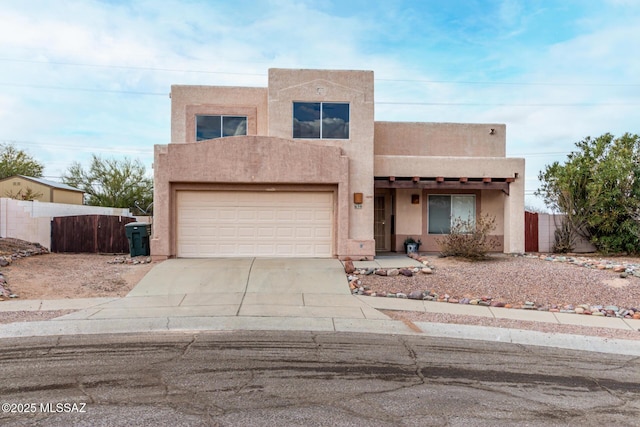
(138,234)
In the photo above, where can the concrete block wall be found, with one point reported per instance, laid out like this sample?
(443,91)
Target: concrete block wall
(547,225)
(31,220)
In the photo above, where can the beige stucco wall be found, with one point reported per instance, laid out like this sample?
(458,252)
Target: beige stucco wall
(449,167)
(440,139)
(188,101)
(66,196)
(408,216)
(256,163)
(356,88)
(492,204)
(12,186)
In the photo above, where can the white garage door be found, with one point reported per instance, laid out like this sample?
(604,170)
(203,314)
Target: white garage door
(245,223)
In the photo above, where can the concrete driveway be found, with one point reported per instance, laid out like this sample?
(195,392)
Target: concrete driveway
(239,287)
(266,276)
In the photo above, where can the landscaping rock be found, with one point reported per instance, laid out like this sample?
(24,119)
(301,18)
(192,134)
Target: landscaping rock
(415,295)
(407,273)
(348,267)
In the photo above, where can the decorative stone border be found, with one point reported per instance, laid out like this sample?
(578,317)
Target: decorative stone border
(624,269)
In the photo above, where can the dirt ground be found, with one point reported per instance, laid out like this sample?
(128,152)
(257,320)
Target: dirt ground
(60,276)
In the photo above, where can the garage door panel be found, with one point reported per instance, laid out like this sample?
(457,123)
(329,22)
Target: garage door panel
(305,233)
(321,215)
(324,233)
(285,215)
(225,214)
(246,215)
(244,223)
(223,233)
(266,232)
(266,215)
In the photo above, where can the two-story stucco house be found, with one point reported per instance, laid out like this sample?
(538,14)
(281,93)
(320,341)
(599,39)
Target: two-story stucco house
(301,169)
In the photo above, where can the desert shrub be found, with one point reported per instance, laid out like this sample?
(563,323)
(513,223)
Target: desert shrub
(565,238)
(469,239)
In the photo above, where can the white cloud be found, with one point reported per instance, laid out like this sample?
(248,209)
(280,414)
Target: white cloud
(141,46)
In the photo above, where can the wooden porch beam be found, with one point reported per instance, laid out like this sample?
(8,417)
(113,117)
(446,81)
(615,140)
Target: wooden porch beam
(444,185)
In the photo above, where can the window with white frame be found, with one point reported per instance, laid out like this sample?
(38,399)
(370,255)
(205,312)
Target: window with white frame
(210,127)
(321,120)
(443,210)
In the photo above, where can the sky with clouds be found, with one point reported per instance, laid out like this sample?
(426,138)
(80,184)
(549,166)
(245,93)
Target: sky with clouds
(93,76)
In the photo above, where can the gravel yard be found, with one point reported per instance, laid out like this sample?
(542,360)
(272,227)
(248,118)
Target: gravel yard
(505,279)
(516,280)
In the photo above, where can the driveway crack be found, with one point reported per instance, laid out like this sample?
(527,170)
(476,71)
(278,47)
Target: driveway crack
(246,286)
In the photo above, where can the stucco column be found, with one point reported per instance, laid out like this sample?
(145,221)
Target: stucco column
(514,217)
(159,243)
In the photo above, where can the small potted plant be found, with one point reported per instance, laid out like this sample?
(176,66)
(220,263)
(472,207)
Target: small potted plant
(411,245)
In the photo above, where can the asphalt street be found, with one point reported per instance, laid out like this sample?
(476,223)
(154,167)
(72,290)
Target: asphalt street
(308,378)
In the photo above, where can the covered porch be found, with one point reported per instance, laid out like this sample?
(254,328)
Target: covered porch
(411,202)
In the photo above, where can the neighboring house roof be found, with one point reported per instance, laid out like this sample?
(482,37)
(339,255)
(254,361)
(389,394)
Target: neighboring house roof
(47,183)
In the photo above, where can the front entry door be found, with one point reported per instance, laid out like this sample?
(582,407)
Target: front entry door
(381,223)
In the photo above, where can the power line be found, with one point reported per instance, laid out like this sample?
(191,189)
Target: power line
(424,104)
(128,92)
(510,83)
(548,153)
(129,67)
(83,148)
(182,70)
(499,104)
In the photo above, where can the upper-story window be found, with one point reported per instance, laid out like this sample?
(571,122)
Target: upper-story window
(325,120)
(209,127)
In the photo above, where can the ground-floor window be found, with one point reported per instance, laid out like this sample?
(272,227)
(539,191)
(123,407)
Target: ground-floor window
(443,210)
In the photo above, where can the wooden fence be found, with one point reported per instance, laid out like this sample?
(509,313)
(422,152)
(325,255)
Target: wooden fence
(530,232)
(90,234)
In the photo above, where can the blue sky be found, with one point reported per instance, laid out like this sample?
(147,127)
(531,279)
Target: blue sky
(86,76)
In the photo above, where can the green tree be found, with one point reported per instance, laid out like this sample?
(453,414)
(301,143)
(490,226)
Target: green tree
(598,188)
(112,182)
(17,162)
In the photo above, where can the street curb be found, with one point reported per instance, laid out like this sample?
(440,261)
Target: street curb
(368,326)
